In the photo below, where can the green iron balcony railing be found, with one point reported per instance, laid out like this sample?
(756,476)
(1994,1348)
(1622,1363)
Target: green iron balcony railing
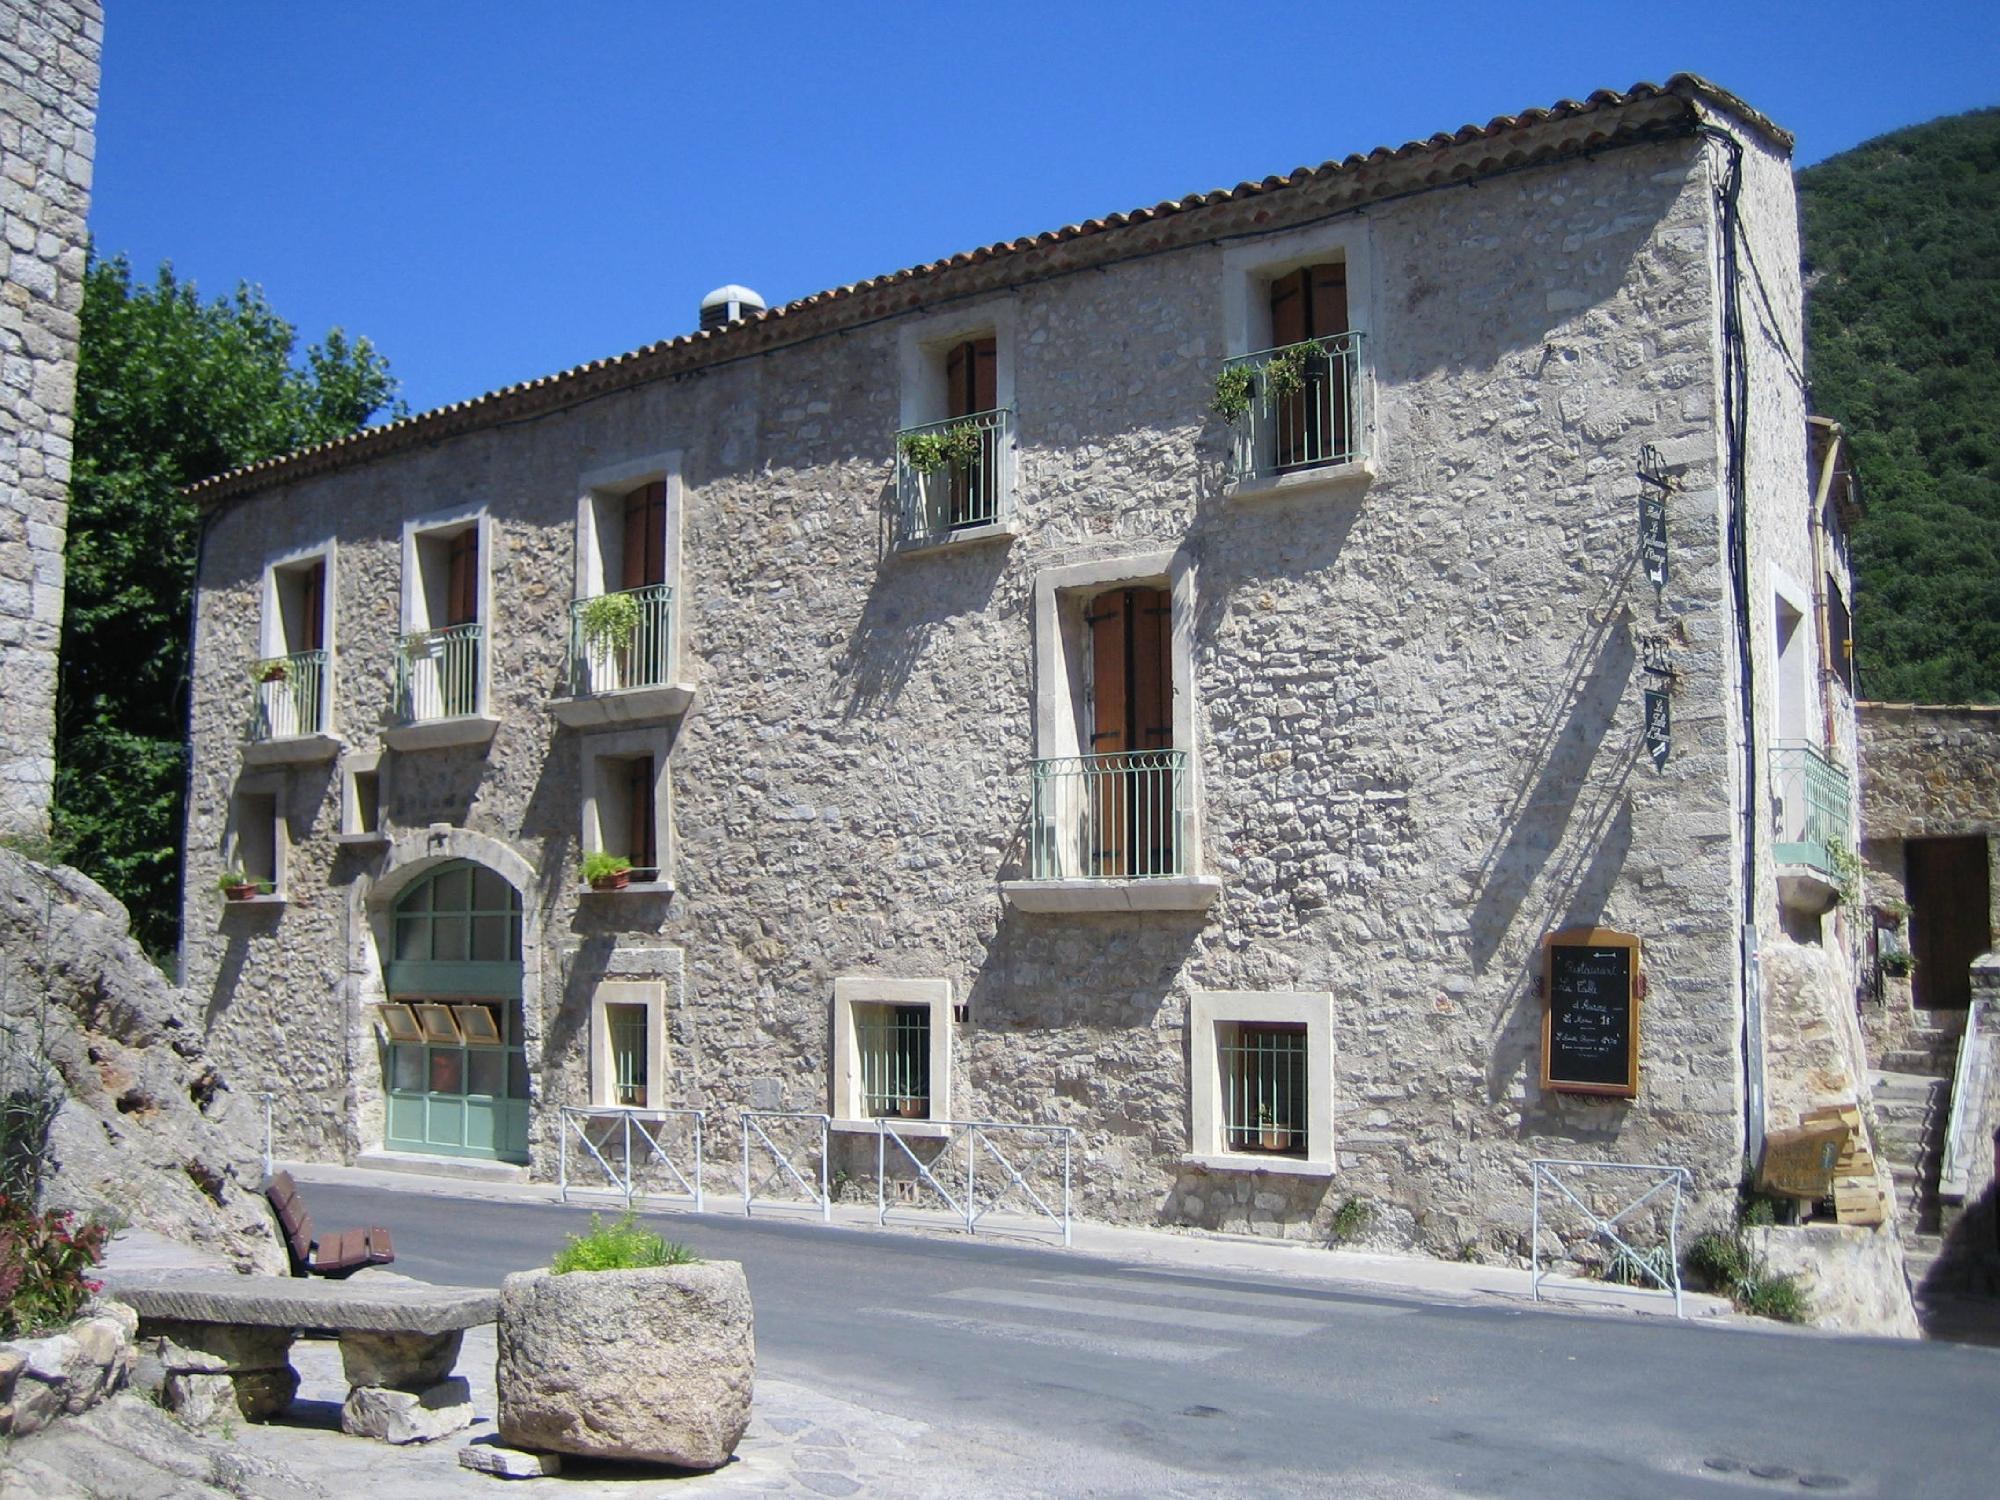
(288,696)
(954,475)
(894,1048)
(1814,804)
(437,673)
(1109,817)
(620,640)
(1294,407)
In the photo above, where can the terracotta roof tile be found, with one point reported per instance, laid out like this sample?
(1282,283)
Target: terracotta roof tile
(771,329)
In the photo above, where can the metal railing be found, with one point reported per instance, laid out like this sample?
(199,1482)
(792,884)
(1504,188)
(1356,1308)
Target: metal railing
(1264,1090)
(956,496)
(1550,1172)
(1012,1181)
(783,1166)
(288,696)
(437,673)
(1109,817)
(1304,407)
(1813,805)
(608,1137)
(1971,1078)
(644,658)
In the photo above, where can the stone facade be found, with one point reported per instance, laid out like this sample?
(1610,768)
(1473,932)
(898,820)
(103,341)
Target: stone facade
(1410,693)
(48,115)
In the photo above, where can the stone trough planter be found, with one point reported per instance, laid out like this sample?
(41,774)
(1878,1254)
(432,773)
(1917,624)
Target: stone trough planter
(649,1366)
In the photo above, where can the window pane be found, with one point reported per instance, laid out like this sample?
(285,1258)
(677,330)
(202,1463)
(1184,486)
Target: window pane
(517,1076)
(490,892)
(413,937)
(492,939)
(452,891)
(486,1072)
(627,1027)
(450,938)
(406,1069)
(447,1070)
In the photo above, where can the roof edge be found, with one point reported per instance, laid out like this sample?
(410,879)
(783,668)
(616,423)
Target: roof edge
(1507,142)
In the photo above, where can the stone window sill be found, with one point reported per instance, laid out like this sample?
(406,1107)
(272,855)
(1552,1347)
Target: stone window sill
(439,734)
(1003,530)
(1172,893)
(263,903)
(912,1129)
(1304,483)
(362,840)
(638,705)
(630,888)
(292,750)
(1278,1166)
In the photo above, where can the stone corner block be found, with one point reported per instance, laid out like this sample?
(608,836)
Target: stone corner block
(375,1411)
(508,1463)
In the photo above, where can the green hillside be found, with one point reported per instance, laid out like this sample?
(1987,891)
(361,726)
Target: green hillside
(1902,239)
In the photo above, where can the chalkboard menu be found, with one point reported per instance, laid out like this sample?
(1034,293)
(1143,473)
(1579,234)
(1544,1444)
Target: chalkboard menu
(1590,1012)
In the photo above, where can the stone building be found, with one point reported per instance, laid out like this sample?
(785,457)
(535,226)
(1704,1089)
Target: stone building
(48,116)
(1166,676)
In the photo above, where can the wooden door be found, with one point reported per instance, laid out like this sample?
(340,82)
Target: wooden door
(1950,916)
(972,387)
(641,845)
(645,555)
(1312,424)
(309,686)
(1131,824)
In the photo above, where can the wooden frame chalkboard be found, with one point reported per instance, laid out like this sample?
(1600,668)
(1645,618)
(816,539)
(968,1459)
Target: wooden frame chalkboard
(1590,1012)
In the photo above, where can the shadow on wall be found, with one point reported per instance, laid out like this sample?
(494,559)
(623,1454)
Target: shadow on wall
(909,599)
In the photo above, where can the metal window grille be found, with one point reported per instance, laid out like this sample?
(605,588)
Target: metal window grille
(1312,426)
(288,696)
(644,659)
(1264,1088)
(437,674)
(1110,817)
(934,503)
(627,1027)
(893,1043)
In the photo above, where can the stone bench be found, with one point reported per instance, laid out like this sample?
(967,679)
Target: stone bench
(399,1340)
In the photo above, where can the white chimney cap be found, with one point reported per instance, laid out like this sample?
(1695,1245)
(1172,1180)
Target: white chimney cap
(728,304)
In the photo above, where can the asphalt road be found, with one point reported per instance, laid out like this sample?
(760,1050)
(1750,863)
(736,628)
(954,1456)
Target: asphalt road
(1095,1376)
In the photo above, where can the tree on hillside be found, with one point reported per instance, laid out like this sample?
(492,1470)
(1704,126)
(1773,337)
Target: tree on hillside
(1902,238)
(170,390)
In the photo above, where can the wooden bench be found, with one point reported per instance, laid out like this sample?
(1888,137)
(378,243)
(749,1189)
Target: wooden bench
(399,1340)
(339,1254)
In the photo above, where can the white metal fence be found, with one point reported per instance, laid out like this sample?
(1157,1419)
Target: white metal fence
(634,1152)
(1031,1174)
(779,1152)
(1565,1181)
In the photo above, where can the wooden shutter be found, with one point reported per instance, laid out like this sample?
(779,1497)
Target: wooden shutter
(645,558)
(640,845)
(1326,300)
(312,609)
(1152,669)
(1288,309)
(462,590)
(971,377)
(1107,843)
(1130,801)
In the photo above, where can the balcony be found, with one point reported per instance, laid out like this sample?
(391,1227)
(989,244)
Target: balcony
(288,710)
(955,481)
(1813,802)
(1111,833)
(1296,416)
(621,660)
(438,692)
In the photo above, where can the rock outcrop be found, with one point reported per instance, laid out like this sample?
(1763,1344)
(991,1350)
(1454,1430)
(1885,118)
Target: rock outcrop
(652,1366)
(148,1132)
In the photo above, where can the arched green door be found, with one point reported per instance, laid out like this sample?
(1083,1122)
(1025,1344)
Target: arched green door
(456,1075)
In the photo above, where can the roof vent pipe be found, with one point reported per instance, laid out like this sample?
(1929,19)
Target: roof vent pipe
(729,304)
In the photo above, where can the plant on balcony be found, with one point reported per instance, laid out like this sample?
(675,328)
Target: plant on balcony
(1846,871)
(1234,386)
(236,885)
(956,447)
(610,621)
(269,671)
(1285,371)
(607,872)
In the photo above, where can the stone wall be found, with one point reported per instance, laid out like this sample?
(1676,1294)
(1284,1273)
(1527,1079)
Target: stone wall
(48,114)
(1416,723)
(67,1372)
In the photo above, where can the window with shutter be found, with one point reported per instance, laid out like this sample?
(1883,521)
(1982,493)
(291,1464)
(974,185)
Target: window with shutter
(1312,424)
(1131,798)
(971,377)
(641,846)
(644,558)
(462,587)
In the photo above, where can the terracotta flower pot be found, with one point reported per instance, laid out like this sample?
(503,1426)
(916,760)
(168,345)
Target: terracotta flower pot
(616,881)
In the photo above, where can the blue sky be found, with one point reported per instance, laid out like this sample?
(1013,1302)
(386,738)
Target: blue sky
(494,190)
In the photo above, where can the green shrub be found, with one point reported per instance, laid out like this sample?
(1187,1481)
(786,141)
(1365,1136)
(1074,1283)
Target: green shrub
(1234,386)
(1765,1295)
(601,866)
(1351,1220)
(955,447)
(610,620)
(1720,1258)
(621,1245)
(43,1261)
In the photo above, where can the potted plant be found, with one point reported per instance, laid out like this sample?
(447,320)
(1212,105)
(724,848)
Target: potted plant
(912,1107)
(609,622)
(1285,371)
(1898,963)
(1234,386)
(270,671)
(1274,1136)
(236,885)
(627,1347)
(956,447)
(607,872)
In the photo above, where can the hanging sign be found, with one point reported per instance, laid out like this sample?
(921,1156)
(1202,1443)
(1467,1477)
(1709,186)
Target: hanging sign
(1659,726)
(1590,1012)
(1653,487)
